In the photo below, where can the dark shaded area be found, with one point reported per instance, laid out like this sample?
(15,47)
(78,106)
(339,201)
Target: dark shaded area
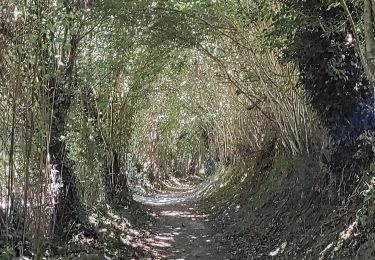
(333,77)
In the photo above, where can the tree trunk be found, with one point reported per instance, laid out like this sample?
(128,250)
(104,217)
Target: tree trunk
(115,181)
(369,12)
(66,212)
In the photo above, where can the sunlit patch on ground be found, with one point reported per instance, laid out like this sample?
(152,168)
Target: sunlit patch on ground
(173,228)
(182,214)
(173,196)
(279,250)
(344,236)
(180,185)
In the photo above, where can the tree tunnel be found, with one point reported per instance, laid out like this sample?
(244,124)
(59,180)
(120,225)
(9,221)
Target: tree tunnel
(197,129)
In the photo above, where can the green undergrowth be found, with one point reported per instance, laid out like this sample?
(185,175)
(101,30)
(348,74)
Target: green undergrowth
(284,211)
(237,181)
(226,186)
(366,218)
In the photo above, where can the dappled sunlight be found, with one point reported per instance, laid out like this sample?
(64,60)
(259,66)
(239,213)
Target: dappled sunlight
(118,229)
(349,233)
(158,242)
(163,234)
(154,244)
(187,129)
(172,232)
(181,193)
(182,214)
(179,184)
(279,250)
(168,198)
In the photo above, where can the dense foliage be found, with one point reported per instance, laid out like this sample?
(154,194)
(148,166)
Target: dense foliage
(101,97)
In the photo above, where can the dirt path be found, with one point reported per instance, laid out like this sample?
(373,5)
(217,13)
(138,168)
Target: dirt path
(179,230)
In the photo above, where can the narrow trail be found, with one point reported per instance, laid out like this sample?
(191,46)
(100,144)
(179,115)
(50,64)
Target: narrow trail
(179,230)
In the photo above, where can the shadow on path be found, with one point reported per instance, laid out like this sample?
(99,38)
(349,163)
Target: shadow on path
(178,229)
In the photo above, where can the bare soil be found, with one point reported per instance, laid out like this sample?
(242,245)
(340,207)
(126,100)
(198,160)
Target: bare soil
(179,230)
